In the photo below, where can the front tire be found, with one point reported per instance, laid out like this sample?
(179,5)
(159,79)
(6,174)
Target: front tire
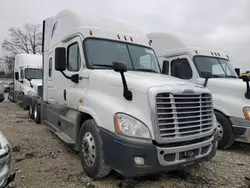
(91,151)
(226,134)
(37,114)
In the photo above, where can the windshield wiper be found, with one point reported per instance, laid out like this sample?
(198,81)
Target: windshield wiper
(230,76)
(146,70)
(103,65)
(217,76)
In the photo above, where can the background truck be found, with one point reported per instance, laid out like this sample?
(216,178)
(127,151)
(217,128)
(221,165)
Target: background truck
(27,79)
(179,58)
(103,94)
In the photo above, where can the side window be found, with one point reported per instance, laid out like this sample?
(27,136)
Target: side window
(73,58)
(165,67)
(50,67)
(180,68)
(22,75)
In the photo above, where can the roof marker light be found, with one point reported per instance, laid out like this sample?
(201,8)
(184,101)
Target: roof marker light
(90,32)
(218,54)
(215,54)
(118,36)
(196,52)
(227,56)
(212,53)
(131,39)
(125,37)
(149,43)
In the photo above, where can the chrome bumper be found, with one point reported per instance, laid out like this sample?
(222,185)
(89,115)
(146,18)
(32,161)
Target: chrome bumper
(241,128)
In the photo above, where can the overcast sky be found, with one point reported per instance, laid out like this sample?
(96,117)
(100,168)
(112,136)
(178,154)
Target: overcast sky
(225,23)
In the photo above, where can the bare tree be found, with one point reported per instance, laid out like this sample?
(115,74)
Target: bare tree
(8,61)
(28,40)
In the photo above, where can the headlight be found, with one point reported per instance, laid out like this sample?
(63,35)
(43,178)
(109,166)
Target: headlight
(129,126)
(246,111)
(31,93)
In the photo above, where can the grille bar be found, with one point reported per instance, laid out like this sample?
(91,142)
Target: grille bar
(184,115)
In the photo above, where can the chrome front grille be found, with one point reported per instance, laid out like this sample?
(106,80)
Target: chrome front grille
(184,115)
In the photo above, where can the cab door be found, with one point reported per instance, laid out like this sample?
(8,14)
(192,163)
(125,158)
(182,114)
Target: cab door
(182,67)
(69,93)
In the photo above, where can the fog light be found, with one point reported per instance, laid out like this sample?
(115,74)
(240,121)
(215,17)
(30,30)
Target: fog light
(139,160)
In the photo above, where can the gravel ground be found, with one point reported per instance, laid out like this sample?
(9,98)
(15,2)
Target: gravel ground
(41,160)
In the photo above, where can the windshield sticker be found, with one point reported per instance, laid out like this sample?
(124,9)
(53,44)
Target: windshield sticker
(121,46)
(149,51)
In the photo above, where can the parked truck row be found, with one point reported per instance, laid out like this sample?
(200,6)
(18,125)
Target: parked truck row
(126,102)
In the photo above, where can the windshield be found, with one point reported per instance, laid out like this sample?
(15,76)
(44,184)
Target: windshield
(220,68)
(102,54)
(33,73)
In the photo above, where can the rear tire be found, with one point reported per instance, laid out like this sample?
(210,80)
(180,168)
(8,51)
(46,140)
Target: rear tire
(37,113)
(31,111)
(226,133)
(91,151)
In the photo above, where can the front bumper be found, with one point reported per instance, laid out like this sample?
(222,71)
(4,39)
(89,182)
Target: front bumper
(29,100)
(2,98)
(119,153)
(5,176)
(241,128)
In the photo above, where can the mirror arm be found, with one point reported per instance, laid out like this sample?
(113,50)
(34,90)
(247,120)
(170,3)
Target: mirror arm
(247,94)
(205,83)
(66,76)
(31,84)
(126,93)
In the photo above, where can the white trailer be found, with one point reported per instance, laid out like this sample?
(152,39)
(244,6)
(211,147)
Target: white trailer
(27,79)
(103,94)
(180,57)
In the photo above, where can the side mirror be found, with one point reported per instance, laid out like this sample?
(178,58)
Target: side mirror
(206,75)
(60,59)
(119,66)
(17,75)
(246,79)
(75,78)
(165,67)
(29,79)
(237,70)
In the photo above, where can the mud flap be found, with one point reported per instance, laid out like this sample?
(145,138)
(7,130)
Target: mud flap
(10,179)
(1,98)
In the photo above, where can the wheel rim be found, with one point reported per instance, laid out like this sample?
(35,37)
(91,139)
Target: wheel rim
(35,112)
(30,110)
(88,149)
(220,131)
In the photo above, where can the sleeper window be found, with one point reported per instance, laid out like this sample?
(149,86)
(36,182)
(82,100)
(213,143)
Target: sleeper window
(74,60)
(22,75)
(180,68)
(50,67)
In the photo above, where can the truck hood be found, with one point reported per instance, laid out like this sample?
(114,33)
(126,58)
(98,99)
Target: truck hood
(227,86)
(139,81)
(36,82)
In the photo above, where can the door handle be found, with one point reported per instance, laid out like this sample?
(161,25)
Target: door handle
(64,94)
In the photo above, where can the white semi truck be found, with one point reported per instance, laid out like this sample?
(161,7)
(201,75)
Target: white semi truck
(103,94)
(27,79)
(180,57)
